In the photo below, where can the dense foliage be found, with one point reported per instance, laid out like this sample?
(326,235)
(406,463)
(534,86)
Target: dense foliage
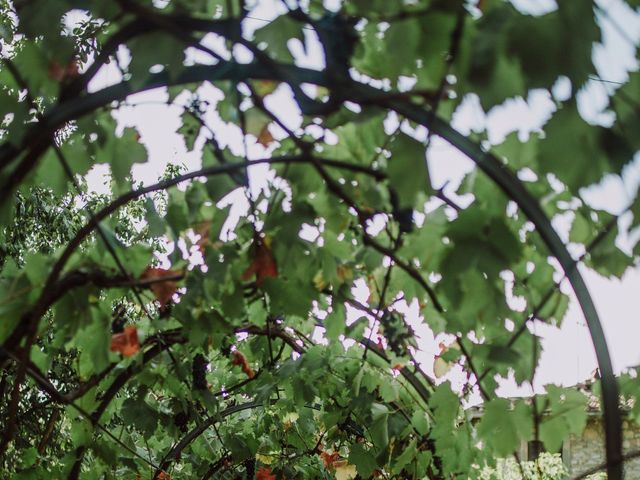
(157,332)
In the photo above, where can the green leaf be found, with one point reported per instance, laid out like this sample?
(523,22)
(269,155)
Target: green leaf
(571,151)
(335,322)
(155,49)
(446,406)
(220,185)
(289,298)
(581,229)
(29,457)
(407,170)
(379,426)
(52,170)
(277,33)
(358,142)
(357,382)
(94,342)
(40,358)
(499,426)
(137,259)
(364,461)
(136,412)
(517,153)
(33,58)
(502,354)
(483,61)
(36,268)
(402,39)
(255,121)
(555,309)
(420,422)
(408,455)
(6,29)
(121,153)
(190,128)
(156,225)
(105,452)
(436,29)
(552,433)
(72,310)
(177,212)
(571,28)
(389,390)
(81,431)
(568,414)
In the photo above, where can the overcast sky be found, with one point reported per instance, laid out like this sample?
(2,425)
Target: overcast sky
(567,351)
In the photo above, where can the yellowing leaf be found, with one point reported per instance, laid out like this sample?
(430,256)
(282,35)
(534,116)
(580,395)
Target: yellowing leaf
(266,459)
(344,470)
(441,367)
(344,273)
(289,419)
(319,281)
(264,87)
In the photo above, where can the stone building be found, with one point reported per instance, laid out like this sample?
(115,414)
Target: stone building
(586,451)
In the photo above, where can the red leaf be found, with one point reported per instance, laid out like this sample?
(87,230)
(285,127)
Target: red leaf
(264,473)
(265,138)
(126,342)
(73,69)
(241,360)
(203,229)
(329,459)
(263,264)
(56,71)
(163,291)
(61,73)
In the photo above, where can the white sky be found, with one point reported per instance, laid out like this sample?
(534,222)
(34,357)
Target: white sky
(568,355)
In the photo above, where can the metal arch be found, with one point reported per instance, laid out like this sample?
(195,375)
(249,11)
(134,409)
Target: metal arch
(515,190)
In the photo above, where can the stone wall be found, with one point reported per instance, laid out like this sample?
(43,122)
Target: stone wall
(587,451)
